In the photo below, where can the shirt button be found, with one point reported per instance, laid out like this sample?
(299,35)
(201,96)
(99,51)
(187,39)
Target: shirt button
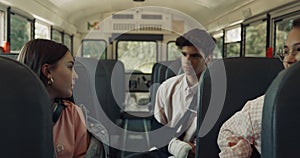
(102,131)
(92,125)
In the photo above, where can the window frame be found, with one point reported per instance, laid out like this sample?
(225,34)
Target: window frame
(226,43)
(94,40)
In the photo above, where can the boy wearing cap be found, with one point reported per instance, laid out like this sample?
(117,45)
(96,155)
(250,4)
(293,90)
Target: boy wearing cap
(178,94)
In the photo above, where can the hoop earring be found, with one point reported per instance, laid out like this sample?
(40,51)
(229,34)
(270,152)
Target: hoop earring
(50,81)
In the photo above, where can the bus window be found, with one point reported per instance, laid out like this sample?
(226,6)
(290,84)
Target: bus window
(1,28)
(218,51)
(137,55)
(93,49)
(282,29)
(42,30)
(232,42)
(256,35)
(67,41)
(138,58)
(20,32)
(173,52)
(233,49)
(56,36)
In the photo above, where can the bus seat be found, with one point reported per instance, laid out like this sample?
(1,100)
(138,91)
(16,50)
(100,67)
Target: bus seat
(95,88)
(84,91)
(173,67)
(280,120)
(11,55)
(110,88)
(168,69)
(155,79)
(25,115)
(222,94)
(161,72)
(100,83)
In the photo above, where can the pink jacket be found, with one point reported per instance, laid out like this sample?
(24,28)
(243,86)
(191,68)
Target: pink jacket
(70,135)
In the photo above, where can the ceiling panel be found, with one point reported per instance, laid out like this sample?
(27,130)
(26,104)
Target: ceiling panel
(198,9)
